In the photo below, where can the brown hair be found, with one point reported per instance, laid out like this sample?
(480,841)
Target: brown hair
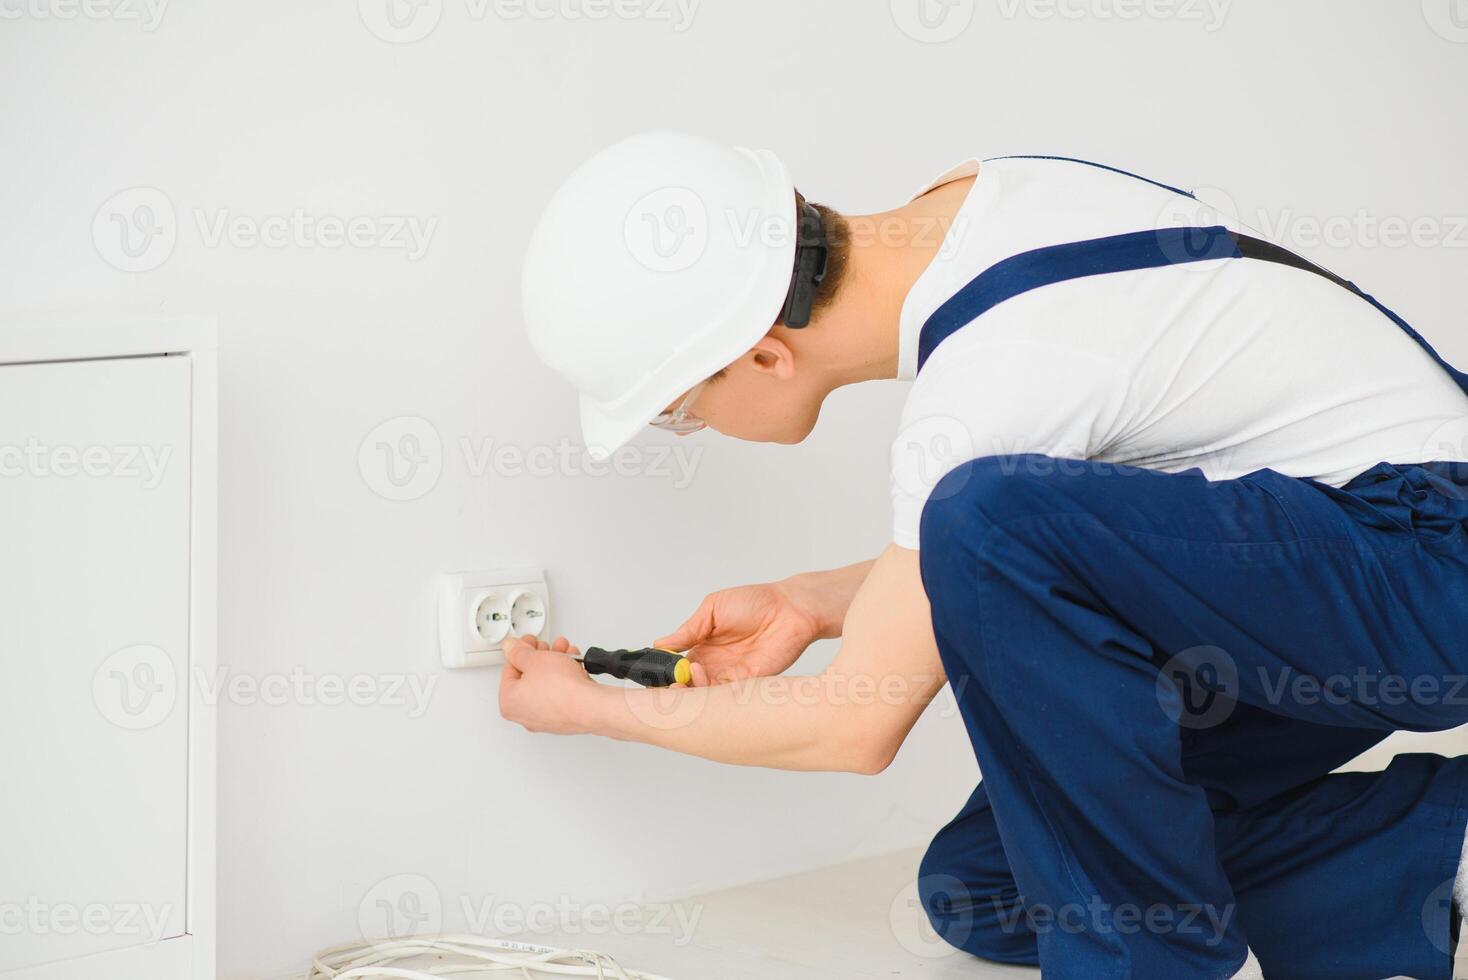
(838,238)
(838,251)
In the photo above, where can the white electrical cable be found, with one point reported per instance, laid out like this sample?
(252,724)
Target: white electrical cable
(374,960)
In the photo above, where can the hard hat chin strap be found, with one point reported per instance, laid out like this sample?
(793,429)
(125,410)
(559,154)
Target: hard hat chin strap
(812,250)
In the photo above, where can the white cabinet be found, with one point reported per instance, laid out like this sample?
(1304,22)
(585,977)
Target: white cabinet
(107,572)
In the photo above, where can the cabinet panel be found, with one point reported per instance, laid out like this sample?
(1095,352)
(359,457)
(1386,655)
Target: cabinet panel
(94,655)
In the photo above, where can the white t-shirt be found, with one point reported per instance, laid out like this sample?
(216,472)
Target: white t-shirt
(1228,365)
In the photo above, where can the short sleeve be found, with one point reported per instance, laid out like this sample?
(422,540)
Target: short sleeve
(998,399)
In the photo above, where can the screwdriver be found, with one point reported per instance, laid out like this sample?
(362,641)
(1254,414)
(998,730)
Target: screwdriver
(650,666)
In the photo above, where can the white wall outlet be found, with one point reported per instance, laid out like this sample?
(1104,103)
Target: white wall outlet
(527,611)
(477,610)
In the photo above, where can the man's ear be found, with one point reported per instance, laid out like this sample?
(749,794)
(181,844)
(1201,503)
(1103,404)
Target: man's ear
(773,357)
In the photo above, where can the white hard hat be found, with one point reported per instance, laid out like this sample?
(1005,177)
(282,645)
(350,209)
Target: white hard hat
(656,264)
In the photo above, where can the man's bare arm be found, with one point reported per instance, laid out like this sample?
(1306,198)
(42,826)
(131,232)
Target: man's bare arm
(852,717)
(831,593)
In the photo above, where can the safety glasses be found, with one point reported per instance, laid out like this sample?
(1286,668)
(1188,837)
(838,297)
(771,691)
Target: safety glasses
(681,419)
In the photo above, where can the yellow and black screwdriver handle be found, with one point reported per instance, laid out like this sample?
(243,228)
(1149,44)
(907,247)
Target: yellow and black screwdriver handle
(650,666)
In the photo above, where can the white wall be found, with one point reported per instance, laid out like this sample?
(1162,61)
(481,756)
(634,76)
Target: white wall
(1313,109)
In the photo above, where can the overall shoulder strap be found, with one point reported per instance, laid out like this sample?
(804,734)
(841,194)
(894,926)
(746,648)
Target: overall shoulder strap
(1132,252)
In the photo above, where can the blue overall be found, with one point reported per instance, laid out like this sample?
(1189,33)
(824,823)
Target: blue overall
(1159,673)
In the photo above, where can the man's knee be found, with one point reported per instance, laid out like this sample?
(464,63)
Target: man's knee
(991,926)
(991,491)
(978,496)
(975,909)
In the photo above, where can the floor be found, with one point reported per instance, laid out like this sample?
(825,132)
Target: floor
(857,921)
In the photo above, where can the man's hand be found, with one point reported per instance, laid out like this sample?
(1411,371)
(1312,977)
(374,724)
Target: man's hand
(542,686)
(544,690)
(750,631)
(760,630)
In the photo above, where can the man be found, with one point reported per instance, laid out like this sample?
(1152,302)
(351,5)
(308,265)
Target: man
(1183,518)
